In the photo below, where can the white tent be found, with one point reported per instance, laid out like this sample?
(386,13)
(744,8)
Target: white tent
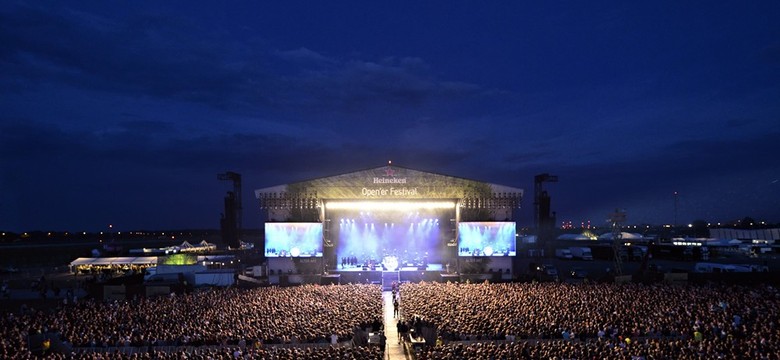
(216,258)
(145,260)
(141,260)
(103,261)
(573,237)
(82,261)
(200,247)
(624,236)
(123,260)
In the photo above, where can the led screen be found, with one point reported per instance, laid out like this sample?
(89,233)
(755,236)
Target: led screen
(293,239)
(486,239)
(412,238)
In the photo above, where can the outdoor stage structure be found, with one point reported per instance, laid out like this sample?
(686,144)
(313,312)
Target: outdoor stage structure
(386,224)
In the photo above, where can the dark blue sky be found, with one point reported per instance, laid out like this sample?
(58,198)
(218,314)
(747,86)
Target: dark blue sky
(124,112)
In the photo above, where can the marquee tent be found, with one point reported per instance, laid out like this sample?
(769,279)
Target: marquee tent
(140,260)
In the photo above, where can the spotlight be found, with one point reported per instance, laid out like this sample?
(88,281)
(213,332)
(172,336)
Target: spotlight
(391,263)
(488,251)
(295,252)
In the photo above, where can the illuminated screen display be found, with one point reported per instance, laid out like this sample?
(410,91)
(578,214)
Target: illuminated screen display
(293,239)
(486,238)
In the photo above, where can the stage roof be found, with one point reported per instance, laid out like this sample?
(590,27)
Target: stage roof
(392,182)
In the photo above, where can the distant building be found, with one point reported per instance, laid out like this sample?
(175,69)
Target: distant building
(769,235)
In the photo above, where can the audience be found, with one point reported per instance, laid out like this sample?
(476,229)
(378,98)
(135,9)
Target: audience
(226,317)
(601,321)
(458,321)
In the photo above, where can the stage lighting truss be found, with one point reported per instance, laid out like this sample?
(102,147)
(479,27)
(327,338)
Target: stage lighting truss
(389,205)
(286,200)
(289,201)
(497,201)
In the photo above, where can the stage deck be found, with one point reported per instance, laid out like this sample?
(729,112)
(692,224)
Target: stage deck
(364,275)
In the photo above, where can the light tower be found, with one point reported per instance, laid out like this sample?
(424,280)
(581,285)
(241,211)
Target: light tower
(231,222)
(543,221)
(617,218)
(538,191)
(676,200)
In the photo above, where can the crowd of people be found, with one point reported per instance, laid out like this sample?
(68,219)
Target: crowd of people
(584,321)
(643,349)
(456,320)
(230,353)
(246,318)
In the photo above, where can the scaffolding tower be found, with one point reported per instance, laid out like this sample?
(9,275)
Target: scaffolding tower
(617,218)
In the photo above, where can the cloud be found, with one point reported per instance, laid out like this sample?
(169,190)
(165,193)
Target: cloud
(146,56)
(304,55)
(25,143)
(147,126)
(356,86)
(31,147)
(717,176)
(168,57)
(135,163)
(148,96)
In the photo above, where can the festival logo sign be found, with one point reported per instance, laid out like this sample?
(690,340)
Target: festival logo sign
(389,177)
(384,186)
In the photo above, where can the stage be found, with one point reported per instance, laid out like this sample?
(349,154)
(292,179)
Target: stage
(384,277)
(365,275)
(387,224)
(407,267)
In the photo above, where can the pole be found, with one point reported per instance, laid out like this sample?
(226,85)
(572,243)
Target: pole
(676,198)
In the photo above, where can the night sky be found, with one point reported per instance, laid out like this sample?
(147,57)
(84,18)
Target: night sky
(124,112)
